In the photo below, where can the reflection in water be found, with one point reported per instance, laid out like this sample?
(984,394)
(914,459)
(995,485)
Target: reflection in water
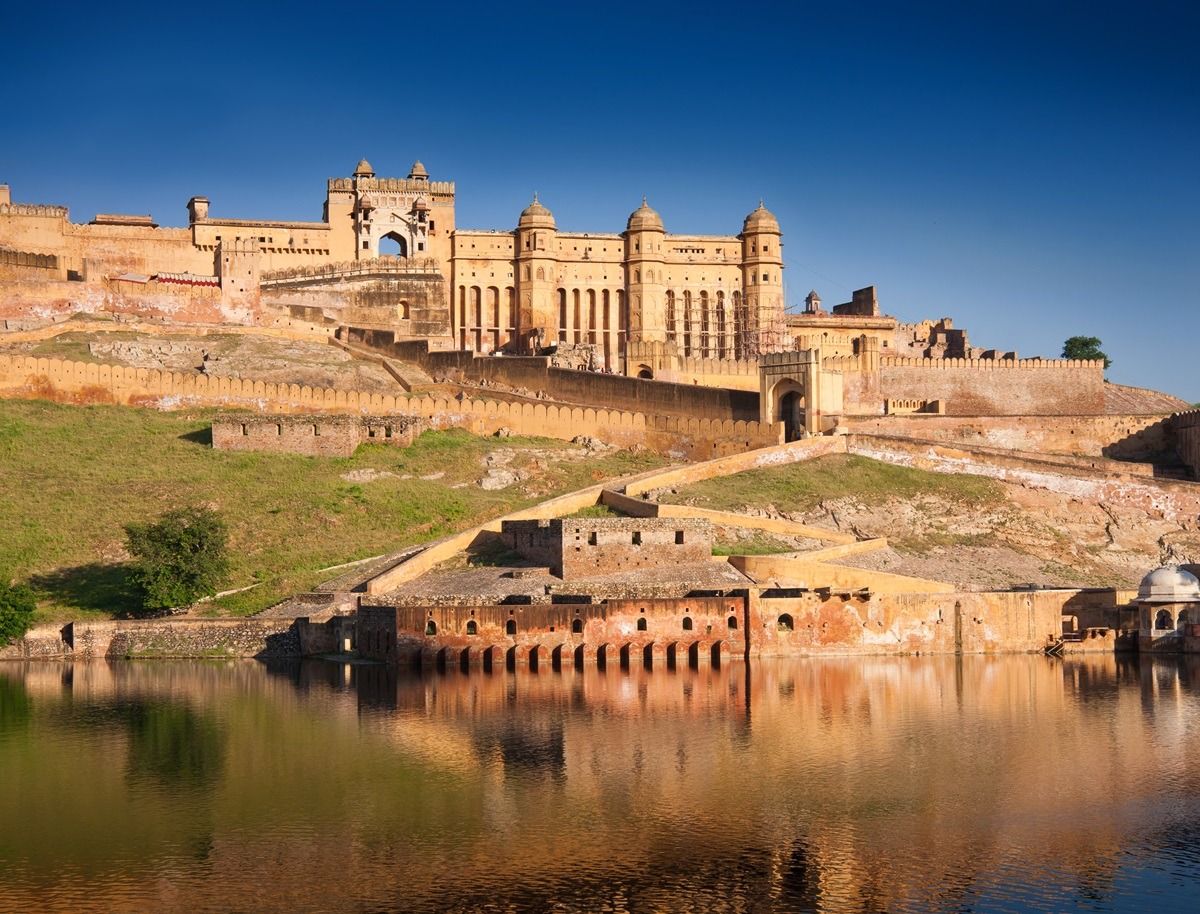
(173,745)
(976,783)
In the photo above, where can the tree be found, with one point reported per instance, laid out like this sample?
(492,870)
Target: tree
(17,605)
(180,558)
(1085,348)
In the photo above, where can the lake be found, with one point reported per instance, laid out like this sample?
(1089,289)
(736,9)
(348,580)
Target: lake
(1015,783)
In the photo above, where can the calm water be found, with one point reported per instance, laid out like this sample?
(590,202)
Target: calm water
(1001,784)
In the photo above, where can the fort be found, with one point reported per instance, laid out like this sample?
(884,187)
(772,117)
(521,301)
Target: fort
(675,343)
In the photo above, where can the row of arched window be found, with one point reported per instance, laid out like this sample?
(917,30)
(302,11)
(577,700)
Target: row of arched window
(510,626)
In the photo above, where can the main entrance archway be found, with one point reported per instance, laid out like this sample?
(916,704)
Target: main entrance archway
(788,397)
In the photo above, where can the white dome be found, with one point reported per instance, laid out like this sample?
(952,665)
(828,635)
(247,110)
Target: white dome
(1169,584)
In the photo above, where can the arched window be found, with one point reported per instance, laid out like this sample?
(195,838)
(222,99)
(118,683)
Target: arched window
(577,626)
(510,627)
(732,622)
(785,623)
(405,311)
(641,626)
(472,628)
(1163,620)
(687,623)
(431,627)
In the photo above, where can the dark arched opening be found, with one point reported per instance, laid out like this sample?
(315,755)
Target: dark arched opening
(472,628)
(510,627)
(687,623)
(577,626)
(790,412)
(1163,620)
(785,623)
(732,622)
(431,627)
(641,625)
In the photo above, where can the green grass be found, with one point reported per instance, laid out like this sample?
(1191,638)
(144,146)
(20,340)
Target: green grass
(753,544)
(597,511)
(802,486)
(72,477)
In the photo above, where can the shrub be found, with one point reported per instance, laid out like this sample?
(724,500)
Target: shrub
(17,606)
(179,559)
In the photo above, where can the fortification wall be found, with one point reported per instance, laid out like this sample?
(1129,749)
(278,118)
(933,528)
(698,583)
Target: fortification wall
(170,637)
(83,383)
(991,387)
(583,388)
(1185,434)
(1119,437)
(22,266)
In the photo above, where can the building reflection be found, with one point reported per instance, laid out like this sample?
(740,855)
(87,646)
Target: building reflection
(832,785)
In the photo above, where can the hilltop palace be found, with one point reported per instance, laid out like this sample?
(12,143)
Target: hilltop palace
(679,344)
(388,266)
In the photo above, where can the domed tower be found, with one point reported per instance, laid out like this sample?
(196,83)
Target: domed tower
(537,317)
(644,275)
(761,327)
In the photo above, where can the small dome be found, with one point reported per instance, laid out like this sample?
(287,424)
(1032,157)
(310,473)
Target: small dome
(366,203)
(418,171)
(536,216)
(644,219)
(761,220)
(1169,584)
(364,169)
(420,205)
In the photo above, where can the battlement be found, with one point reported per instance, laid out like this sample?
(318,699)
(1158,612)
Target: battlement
(11,258)
(990,364)
(32,209)
(392,186)
(352,268)
(261,224)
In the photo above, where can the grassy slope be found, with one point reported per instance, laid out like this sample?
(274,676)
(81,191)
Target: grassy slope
(802,486)
(72,477)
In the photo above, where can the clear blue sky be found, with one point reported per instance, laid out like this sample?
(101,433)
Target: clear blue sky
(1028,168)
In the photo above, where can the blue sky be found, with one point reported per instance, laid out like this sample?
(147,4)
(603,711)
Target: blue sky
(1029,169)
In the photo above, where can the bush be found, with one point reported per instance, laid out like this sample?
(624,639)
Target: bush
(179,559)
(17,606)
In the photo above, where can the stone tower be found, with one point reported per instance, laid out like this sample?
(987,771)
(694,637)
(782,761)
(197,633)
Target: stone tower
(535,277)
(762,326)
(644,275)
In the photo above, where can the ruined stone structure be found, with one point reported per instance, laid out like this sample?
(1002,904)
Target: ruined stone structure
(578,547)
(320,435)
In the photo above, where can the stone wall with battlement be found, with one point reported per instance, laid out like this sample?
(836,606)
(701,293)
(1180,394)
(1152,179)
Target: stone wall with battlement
(1185,428)
(991,387)
(87,383)
(583,388)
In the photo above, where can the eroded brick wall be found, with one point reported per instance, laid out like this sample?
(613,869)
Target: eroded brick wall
(322,435)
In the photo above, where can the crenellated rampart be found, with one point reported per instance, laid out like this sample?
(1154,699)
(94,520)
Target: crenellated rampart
(1185,429)
(994,387)
(88,383)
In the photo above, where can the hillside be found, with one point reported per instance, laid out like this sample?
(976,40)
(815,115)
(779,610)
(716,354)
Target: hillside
(974,532)
(72,477)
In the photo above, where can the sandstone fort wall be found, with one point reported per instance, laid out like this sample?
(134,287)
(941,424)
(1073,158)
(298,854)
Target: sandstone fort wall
(993,387)
(86,383)
(318,436)
(565,386)
(1186,438)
